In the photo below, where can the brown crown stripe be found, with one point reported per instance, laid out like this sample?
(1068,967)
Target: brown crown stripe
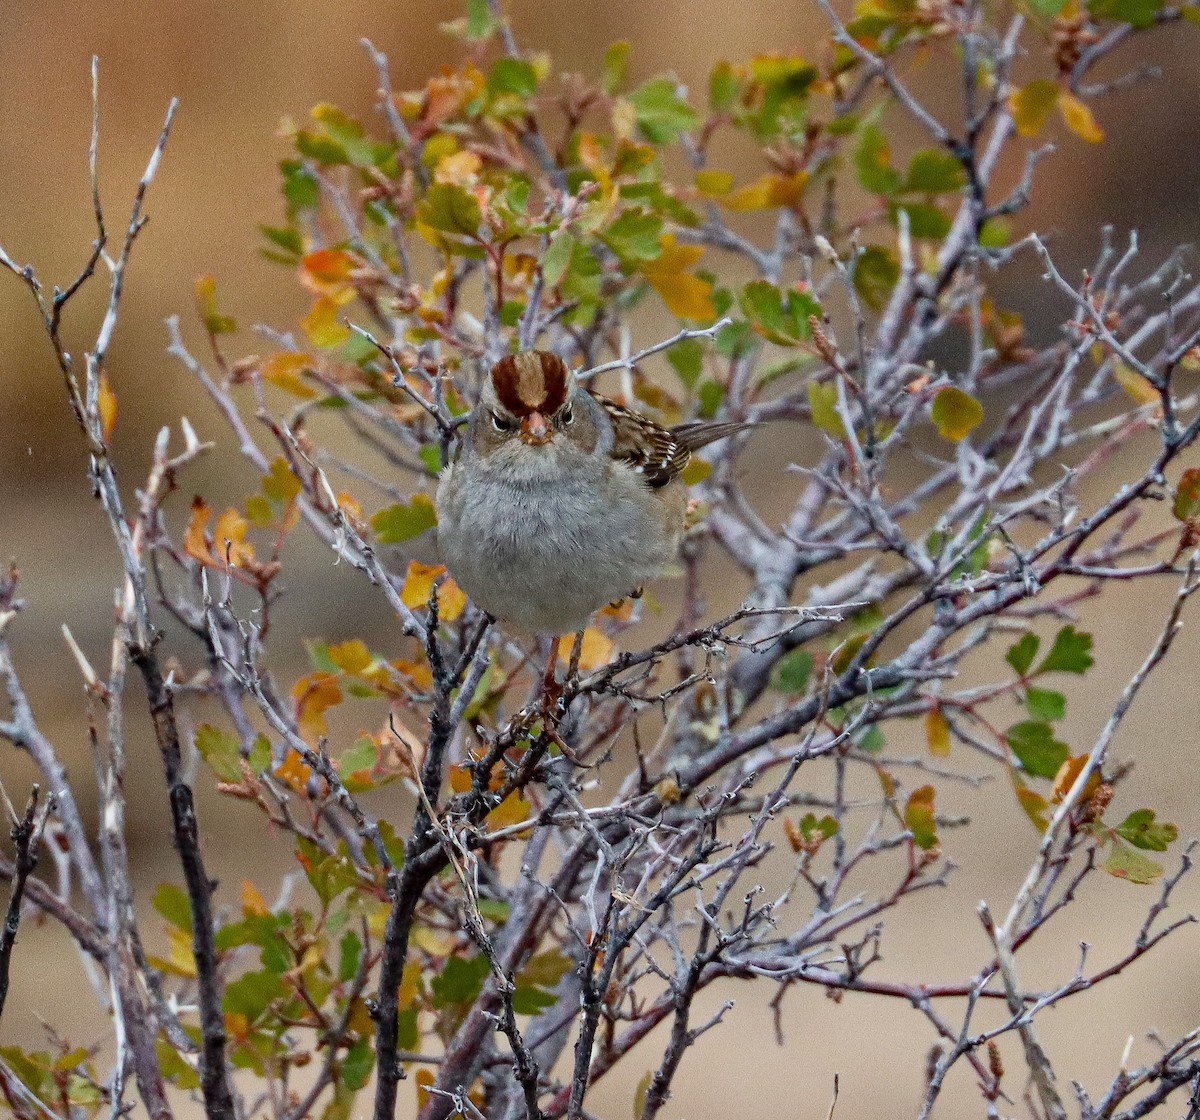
(533,381)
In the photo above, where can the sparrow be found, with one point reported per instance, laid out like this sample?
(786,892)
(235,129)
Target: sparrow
(561,501)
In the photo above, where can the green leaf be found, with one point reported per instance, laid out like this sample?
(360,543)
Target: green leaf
(873,162)
(822,402)
(811,827)
(919,818)
(871,739)
(933,172)
(174,1068)
(1021,655)
(876,271)
(792,672)
(450,209)
(528,1000)
(1126,863)
(431,456)
(722,88)
(925,220)
(1069,654)
(616,67)
(558,256)
(403,522)
(1141,830)
(252,992)
(351,954)
(300,186)
(481,24)
(1045,704)
(1187,495)
(512,75)
(661,112)
(634,236)
(781,317)
(1036,748)
(357,1065)
(174,906)
(460,981)
(220,750)
(1137,13)
(361,756)
(995,234)
(687,357)
(710,394)
(955,413)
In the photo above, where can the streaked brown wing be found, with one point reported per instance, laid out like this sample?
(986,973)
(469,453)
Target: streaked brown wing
(646,446)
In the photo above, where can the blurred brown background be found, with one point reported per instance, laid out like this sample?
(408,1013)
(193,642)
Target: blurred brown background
(238,68)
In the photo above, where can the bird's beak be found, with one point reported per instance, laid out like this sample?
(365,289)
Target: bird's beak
(535,430)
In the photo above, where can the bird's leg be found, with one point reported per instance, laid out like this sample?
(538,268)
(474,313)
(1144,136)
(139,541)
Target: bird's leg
(551,689)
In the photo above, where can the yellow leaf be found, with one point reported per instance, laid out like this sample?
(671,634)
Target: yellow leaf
(768,192)
(1079,118)
(595,653)
(253,903)
(512,810)
(237,1025)
(410,984)
(686,296)
(284,371)
(322,326)
(1135,384)
(1031,105)
(714,183)
(106,405)
(360,1021)
(956,413)
(418,582)
(182,959)
(696,471)
(352,656)
(460,169)
(1036,807)
(937,732)
(230,533)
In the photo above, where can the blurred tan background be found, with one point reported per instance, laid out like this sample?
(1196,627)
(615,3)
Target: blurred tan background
(238,68)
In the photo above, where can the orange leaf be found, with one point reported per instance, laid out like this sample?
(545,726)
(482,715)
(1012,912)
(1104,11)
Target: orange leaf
(293,771)
(1067,774)
(424,1078)
(106,405)
(314,694)
(1079,118)
(195,542)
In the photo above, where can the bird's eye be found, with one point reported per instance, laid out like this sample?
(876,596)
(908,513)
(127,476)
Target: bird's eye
(566,415)
(502,423)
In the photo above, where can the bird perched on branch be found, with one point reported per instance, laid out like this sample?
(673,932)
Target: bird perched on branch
(561,500)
